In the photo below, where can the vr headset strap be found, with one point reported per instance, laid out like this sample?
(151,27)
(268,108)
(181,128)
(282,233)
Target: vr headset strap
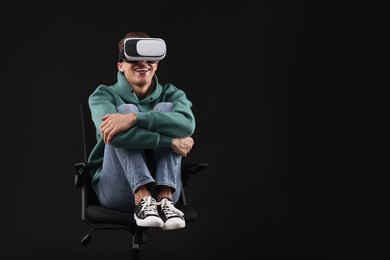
(121,55)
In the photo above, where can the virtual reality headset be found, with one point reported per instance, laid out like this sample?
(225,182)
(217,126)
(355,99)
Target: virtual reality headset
(147,49)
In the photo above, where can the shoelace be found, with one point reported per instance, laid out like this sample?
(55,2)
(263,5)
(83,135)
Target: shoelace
(149,206)
(168,209)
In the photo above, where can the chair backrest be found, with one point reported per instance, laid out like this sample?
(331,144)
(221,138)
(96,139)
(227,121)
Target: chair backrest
(88,130)
(89,140)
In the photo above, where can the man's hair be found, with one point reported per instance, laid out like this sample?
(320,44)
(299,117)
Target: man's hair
(131,35)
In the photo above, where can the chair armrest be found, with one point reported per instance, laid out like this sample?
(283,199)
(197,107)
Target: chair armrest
(82,172)
(190,169)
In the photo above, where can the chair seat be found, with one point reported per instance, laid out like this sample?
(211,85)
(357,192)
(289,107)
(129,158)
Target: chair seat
(190,213)
(99,214)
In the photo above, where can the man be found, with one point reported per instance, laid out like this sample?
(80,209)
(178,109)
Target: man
(139,120)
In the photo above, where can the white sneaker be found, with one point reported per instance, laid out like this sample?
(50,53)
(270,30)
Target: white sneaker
(146,213)
(171,216)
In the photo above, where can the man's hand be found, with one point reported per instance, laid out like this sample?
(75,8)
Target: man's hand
(182,146)
(115,123)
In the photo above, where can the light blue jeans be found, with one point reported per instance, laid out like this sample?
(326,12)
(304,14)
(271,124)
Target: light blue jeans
(124,170)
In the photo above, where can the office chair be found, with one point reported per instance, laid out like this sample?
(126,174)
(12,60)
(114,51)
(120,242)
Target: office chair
(93,212)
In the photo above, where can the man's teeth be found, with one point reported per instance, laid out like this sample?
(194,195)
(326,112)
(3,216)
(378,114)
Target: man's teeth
(142,70)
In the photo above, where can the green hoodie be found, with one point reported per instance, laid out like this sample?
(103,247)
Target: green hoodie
(152,128)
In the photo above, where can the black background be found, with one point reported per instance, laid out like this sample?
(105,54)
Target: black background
(262,77)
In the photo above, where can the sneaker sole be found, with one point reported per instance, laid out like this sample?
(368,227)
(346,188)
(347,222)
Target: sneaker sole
(172,226)
(149,221)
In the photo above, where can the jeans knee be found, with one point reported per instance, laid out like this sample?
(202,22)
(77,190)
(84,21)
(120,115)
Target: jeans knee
(127,108)
(164,107)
